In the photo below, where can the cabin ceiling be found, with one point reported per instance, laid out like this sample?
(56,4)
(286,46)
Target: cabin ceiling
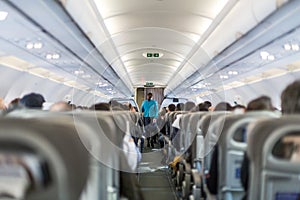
(103,44)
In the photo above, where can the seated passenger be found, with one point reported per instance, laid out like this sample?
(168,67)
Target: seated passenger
(223,106)
(290,104)
(32,100)
(2,104)
(60,106)
(261,103)
(101,106)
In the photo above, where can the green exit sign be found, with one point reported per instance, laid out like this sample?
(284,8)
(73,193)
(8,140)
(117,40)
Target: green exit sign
(152,55)
(149,84)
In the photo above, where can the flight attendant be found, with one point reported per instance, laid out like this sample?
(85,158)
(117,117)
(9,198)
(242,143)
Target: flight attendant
(149,109)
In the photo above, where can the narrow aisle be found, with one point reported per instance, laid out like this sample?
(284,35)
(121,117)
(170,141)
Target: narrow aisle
(155,179)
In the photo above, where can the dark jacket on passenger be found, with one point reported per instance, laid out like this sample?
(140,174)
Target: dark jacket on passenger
(212,179)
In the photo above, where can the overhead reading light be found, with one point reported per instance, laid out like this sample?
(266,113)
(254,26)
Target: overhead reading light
(56,56)
(52,56)
(233,73)
(77,72)
(264,55)
(3,15)
(224,77)
(287,47)
(37,45)
(271,57)
(295,47)
(29,45)
(102,84)
(86,76)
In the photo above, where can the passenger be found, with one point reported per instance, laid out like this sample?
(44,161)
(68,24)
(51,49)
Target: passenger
(208,105)
(131,108)
(2,105)
(202,107)
(32,100)
(101,106)
(149,109)
(260,103)
(290,99)
(13,104)
(290,104)
(179,107)
(171,107)
(239,109)
(223,106)
(188,106)
(60,106)
(74,107)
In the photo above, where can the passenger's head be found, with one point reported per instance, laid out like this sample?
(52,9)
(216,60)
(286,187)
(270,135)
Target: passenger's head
(223,106)
(60,106)
(100,106)
(260,103)
(32,100)
(290,99)
(239,109)
(13,104)
(188,106)
(203,107)
(2,104)
(171,107)
(179,106)
(149,96)
(208,104)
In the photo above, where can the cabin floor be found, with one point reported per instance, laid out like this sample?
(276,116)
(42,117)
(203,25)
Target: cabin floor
(154,177)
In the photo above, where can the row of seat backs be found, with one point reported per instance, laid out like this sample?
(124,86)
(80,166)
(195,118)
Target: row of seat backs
(231,140)
(100,132)
(274,173)
(48,140)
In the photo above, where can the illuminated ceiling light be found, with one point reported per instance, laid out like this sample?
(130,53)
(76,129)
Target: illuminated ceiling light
(38,45)
(77,72)
(264,55)
(223,76)
(271,57)
(233,73)
(49,56)
(56,56)
(295,47)
(86,76)
(3,15)
(102,84)
(29,45)
(287,47)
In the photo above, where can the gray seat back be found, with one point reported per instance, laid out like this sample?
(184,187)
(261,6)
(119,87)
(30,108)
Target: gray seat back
(104,143)
(272,145)
(231,147)
(55,143)
(210,137)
